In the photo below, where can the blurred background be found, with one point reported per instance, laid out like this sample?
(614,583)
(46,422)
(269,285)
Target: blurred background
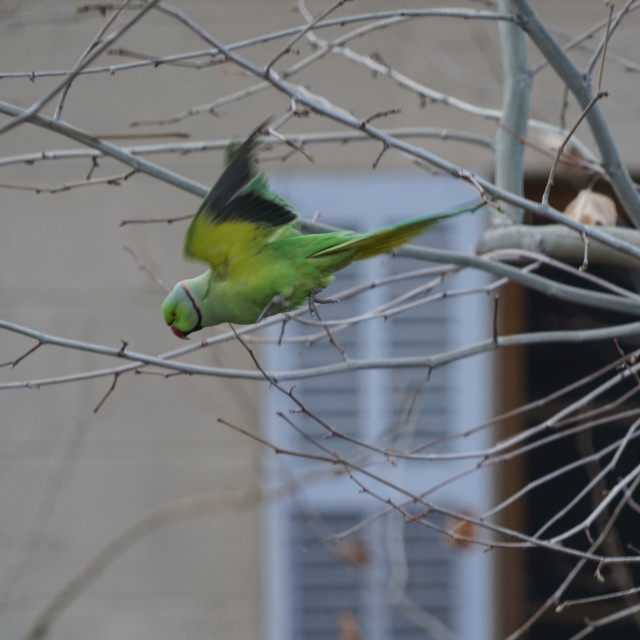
(127,510)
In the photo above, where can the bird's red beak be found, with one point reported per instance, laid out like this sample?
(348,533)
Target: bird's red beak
(179,333)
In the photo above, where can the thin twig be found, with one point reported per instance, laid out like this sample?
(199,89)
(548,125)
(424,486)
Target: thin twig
(81,64)
(553,600)
(92,45)
(145,269)
(311,25)
(599,95)
(115,181)
(602,46)
(27,353)
(107,394)
(607,35)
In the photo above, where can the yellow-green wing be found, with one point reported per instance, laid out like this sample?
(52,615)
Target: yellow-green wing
(239,215)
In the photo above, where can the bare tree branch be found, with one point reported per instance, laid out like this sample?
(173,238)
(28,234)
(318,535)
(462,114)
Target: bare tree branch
(516,99)
(581,88)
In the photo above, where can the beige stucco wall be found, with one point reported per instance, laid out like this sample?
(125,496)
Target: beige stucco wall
(82,477)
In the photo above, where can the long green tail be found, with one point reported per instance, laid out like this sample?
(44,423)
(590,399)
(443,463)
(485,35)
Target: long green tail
(388,238)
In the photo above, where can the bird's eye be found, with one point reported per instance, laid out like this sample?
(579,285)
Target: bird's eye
(174,314)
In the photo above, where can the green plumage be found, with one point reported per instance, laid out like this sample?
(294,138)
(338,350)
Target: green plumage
(260,263)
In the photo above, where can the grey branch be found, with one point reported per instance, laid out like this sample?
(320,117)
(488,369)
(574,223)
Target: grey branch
(425,362)
(560,243)
(516,99)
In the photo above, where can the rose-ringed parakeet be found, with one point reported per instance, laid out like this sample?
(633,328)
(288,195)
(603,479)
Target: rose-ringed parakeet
(259,262)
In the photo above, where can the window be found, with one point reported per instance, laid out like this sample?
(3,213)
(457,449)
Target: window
(391,578)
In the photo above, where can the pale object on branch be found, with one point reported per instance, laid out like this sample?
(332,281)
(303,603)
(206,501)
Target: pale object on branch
(592,208)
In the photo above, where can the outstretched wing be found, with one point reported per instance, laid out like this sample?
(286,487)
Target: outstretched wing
(239,215)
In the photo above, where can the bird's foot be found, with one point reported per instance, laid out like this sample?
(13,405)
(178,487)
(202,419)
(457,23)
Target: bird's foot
(277,301)
(314,300)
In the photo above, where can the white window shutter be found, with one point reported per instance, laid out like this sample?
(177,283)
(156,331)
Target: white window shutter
(307,585)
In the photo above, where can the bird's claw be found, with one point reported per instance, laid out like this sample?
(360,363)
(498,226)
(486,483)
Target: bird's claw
(314,300)
(277,301)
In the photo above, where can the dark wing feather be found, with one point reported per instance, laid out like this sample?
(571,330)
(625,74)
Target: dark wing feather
(239,214)
(236,176)
(241,193)
(252,207)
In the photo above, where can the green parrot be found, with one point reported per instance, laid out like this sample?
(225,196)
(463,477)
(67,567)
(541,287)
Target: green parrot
(259,262)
